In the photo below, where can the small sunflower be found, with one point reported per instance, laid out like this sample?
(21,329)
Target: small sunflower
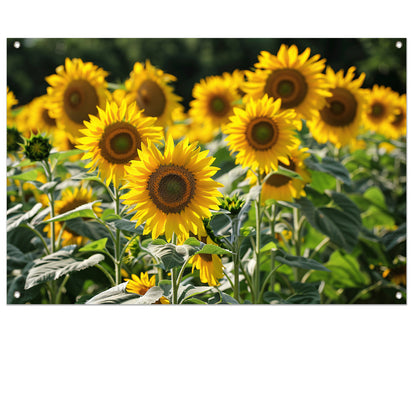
(113,138)
(172,192)
(294,78)
(71,199)
(140,285)
(11,102)
(279,187)
(398,126)
(214,100)
(209,265)
(150,88)
(74,93)
(262,134)
(380,109)
(339,121)
(39,119)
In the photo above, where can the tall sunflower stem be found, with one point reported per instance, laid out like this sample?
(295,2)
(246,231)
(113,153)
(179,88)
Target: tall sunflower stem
(174,278)
(236,258)
(258,209)
(117,245)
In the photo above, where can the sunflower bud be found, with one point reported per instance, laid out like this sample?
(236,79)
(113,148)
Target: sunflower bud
(37,148)
(14,139)
(232,204)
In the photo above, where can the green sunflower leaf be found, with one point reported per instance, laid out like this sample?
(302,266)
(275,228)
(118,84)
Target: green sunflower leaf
(62,156)
(16,220)
(171,255)
(299,261)
(114,295)
(85,211)
(149,298)
(30,175)
(58,264)
(98,245)
(212,249)
(330,166)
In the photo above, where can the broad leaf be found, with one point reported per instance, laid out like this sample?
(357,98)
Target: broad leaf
(58,264)
(116,294)
(299,261)
(15,221)
(170,255)
(330,166)
(84,211)
(98,245)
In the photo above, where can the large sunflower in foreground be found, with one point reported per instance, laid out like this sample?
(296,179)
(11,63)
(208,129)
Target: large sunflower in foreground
(71,199)
(74,93)
(339,121)
(150,88)
(262,134)
(398,126)
(112,139)
(280,187)
(214,100)
(209,265)
(140,285)
(380,109)
(174,191)
(296,79)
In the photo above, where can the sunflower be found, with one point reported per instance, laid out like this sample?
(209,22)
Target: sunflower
(172,192)
(380,109)
(64,142)
(74,93)
(397,127)
(140,285)
(71,199)
(294,78)
(209,265)
(214,100)
(262,134)
(150,88)
(11,102)
(339,121)
(39,119)
(112,139)
(279,187)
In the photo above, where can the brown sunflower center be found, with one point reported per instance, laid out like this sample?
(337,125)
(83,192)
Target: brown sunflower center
(219,106)
(80,100)
(49,121)
(262,133)
(151,98)
(120,142)
(341,108)
(171,188)
(287,84)
(277,180)
(377,110)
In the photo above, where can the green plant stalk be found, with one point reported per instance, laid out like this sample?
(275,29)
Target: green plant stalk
(236,258)
(60,289)
(174,279)
(117,248)
(256,283)
(108,275)
(51,199)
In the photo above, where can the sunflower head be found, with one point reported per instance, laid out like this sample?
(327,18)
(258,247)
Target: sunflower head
(171,192)
(150,88)
(74,93)
(37,147)
(262,134)
(140,285)
(339,121)
(296,79)
(398,126)
(233,204)
(11,102)
(113,139)
(214,100)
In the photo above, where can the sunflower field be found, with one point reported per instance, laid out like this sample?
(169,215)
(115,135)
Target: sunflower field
(280,180)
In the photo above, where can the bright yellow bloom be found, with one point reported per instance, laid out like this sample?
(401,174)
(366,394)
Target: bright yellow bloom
(11,102)
(171,192)
(209,265)
(380,109)
(262,134)
(39,119)
(112,139)
(398,127)
(294,78)
(140,285)
(339,121)
(279,187)
(71,199)
(74,93)
(214,100)
(150,88)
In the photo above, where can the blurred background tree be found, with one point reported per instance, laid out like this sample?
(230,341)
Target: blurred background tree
(30,60)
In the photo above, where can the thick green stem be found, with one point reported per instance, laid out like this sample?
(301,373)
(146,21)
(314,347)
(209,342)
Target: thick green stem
(236,258)
(174,279)
(256,283)
(117,248)
(60,290)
